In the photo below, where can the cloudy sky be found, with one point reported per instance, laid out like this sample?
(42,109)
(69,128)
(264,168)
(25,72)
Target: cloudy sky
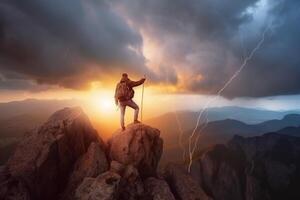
(185,47)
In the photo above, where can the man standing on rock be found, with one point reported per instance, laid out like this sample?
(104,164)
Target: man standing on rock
(123,97)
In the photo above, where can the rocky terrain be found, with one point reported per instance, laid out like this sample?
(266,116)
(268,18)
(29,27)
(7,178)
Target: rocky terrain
(66,159)
(262,167)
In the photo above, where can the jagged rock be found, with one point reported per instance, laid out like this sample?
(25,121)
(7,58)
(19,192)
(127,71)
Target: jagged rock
(222,173)
(139,145)
(117,167)
(13,189)
(3,173)
(274,161)
(91,164)
(131,185)
(157,189)
(182,184)
(255,189)
(104,187)
(263,167)
(44,159)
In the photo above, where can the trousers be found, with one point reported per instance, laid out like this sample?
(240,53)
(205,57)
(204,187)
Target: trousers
(131,104)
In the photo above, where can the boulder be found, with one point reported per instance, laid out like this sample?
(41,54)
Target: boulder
(131,185)
(139,145)
(117,167)
(183,186)
(157,189)
(104,187)
(44,159)
(91,164)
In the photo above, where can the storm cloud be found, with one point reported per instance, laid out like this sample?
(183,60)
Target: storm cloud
(209,39)
(200,43)
(66,42)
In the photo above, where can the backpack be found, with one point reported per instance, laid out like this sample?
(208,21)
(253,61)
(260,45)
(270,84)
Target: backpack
(123,92)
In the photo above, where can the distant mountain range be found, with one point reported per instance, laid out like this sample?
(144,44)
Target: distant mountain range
(220,132)
(33,106)
(19,117)
(291,131)
(171,124)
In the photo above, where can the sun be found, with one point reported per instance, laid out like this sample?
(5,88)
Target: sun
(106,104)
(102,102)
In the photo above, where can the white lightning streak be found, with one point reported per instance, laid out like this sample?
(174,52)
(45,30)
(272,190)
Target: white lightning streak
(208,103)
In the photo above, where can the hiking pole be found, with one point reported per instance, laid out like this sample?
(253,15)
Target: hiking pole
(142,100)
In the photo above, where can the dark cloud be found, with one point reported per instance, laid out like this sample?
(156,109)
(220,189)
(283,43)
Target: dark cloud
(66,42)
(275,70)
(202,43)
(209,38)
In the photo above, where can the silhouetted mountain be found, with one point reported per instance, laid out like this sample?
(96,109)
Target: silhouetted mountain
(259,168)
(33,106)
(171,123)
(65,158)
(292,131)
(220,132)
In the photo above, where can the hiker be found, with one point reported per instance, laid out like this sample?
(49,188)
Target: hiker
(123,97)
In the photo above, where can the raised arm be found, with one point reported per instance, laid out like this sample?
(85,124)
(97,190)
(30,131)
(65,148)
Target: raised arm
(136,83)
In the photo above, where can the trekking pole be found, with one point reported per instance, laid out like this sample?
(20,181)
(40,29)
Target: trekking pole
(142,100)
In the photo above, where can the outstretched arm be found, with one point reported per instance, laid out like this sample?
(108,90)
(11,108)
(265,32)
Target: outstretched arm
(137,83)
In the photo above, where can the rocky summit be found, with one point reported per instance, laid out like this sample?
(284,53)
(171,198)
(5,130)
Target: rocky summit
(139,145)
(66,159)
(264,167)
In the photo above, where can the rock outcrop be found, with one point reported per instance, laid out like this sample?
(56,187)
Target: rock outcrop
(135,154)
(182,184)
(44,160)
(139,145)
(91,164)
(263,167)
(220,165)
(104,187)
(157,189)
(66,159)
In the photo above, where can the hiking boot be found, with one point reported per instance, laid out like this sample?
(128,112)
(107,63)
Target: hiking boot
(123,128)
(136,121)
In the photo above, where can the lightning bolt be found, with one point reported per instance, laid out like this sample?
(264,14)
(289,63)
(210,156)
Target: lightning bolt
(197,139)
(212,100)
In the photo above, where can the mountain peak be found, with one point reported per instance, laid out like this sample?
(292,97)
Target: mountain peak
(139,145)
(44,159)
